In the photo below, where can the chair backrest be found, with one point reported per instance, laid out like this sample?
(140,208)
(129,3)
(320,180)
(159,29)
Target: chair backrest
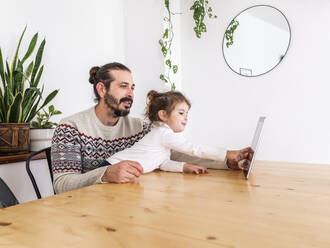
(7,197)
(28,170)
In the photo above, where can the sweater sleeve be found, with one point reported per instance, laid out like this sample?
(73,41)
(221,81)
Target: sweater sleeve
(170,165)
(177,142)
(67,161)
(207,163)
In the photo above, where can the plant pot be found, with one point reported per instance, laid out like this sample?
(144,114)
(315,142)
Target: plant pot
(14,138)
(41,138)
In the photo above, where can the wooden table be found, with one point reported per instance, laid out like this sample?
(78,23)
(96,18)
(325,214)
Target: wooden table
(281,205)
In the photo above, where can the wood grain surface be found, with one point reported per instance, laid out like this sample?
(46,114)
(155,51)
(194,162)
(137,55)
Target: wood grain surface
(281,205)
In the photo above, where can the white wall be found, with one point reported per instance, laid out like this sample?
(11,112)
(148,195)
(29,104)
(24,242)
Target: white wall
(294,96)
(79,35)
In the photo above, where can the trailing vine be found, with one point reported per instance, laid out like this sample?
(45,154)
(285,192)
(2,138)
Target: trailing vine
(229,34)
(166,44)
(200,9)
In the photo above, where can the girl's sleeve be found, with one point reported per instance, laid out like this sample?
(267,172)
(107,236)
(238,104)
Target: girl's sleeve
(177,142)
(171,165)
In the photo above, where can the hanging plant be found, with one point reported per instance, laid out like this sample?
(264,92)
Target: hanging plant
(229,34)
(166,44)
(201,9)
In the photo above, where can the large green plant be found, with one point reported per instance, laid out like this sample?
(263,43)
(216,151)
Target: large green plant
(20,102)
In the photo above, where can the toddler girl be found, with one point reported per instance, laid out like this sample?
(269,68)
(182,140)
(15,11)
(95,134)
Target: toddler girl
(168,114)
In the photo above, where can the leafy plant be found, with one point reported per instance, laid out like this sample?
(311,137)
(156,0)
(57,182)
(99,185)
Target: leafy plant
(201,9)
(17,102)
(229,34)
(43,118)
(166,43)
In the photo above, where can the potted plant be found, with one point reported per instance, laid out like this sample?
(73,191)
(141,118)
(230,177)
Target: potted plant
(20,97)
(42,129)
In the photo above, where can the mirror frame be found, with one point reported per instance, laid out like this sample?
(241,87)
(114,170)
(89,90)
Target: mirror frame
(224,36)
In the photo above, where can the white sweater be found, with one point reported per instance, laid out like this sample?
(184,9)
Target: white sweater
(153,151)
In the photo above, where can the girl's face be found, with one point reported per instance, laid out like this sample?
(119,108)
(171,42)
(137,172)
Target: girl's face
(178,118)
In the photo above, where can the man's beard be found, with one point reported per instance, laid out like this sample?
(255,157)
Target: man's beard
(113,104)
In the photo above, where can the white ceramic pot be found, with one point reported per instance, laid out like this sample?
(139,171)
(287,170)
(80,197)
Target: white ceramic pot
(40,138)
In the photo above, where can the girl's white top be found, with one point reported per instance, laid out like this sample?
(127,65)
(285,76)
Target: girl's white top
(153,150)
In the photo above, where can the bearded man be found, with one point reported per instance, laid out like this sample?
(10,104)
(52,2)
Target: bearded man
(84,140)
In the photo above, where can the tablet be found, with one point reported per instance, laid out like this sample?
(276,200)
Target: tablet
(254,146)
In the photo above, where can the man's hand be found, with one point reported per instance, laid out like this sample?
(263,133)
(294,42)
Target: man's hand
(190,168)
(234,157)
(122,172)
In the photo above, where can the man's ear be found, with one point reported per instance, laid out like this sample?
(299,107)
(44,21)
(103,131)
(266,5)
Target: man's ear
(162,115)
(101,90)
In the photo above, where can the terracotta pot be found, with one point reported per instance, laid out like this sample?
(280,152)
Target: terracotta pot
(41,138)
(14,138)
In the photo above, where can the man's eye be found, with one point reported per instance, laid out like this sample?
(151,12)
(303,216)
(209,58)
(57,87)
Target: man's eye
(123,86)
(181,113)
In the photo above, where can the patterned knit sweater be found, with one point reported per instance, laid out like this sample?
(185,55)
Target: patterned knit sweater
(81,143)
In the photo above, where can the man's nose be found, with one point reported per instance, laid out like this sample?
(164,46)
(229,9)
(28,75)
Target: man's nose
(131,93)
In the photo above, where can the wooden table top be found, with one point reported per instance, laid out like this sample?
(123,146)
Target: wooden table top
(281,205)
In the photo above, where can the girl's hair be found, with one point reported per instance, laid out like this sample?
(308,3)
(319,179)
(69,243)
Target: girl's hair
(103,74)
(163,101)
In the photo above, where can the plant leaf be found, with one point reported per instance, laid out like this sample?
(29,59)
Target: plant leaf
(51,108)
(168,63)
(2,69)
(18,77)
(175,69)
(31,47)
(28,72)
(30,96)
(2,108)
(48,99)
(37,61)
(165,35)
(14,113)
(57,112)
(33,111)
(8,77)
(36,82)
(13,65)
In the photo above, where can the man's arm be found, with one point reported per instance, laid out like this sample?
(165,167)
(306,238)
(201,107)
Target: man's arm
(67,181)
(67,161)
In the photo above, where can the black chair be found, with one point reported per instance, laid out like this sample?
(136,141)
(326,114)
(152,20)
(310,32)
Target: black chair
(28,170)
(7,197)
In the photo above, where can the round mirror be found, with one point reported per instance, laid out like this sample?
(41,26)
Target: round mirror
(256,40)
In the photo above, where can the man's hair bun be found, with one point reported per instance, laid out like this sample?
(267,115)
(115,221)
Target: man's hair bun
(92,74)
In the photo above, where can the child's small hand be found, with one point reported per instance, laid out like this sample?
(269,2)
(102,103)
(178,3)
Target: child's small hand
(190,168)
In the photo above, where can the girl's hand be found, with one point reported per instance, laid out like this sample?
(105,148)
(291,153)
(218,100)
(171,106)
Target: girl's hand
(190,168)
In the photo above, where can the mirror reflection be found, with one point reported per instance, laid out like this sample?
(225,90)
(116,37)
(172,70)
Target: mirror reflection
(256,40)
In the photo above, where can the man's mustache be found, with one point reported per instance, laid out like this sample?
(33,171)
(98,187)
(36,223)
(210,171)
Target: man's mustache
(124,99)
